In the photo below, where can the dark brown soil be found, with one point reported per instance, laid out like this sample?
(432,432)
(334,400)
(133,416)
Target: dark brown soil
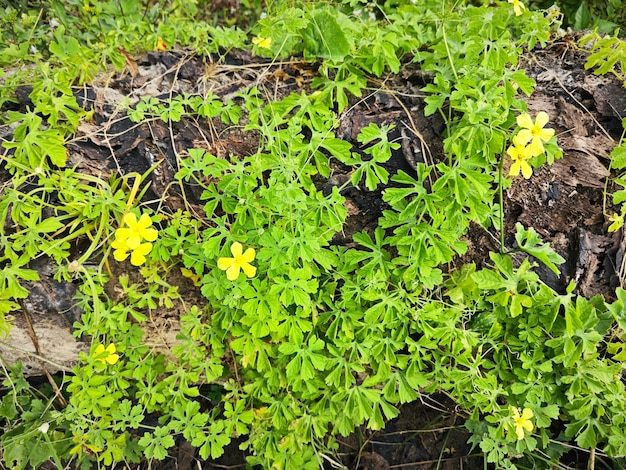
(564,202)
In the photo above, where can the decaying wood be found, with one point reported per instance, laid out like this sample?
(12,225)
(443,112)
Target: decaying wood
(58,349)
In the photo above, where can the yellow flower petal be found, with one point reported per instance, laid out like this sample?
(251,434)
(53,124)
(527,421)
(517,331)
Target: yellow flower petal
(518,152)
(535,147)
(160,45)
(150,234)
(138,255)
(515,168)
(137,230)
(527,170)
(232,273)
(133,241)
(263,43)
(112,358)
(129,219)
(134,238)
(119,244)
(144,222)
(236,249)
(248,255)
(225,263)
(533,132)
(120,255)
(105,355)
(527,413)
(546,134)
(122,234)
(248,269)
(522,422)
(522,137)
(542,119)
(523,166)
(525,121)
(518,6)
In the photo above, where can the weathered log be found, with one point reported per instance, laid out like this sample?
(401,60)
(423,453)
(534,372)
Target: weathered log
(41,333)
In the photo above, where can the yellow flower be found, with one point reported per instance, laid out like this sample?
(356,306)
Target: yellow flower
(160,45)
(137,255)
(518,6)
(520,155)
(131,238)
(121,250)
(136,231)
(522,422)
(239,261)
(105,355)
(263,43)
(533,132)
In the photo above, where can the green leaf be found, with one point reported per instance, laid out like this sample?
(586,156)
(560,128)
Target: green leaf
(16,454)
(371,132)
(619,196)
(529,242)
(581,21)
(156,444)
(324,37)
(48,225)
(487,279)
(214,441)
(618,350)
(10,280)
(340,149)
(518,301)
(306,369)
(587,439)
(618,156)
(406,392)
(7,407)
(524,82)
(32,144)
(38,454)
(618,308)
(288,349)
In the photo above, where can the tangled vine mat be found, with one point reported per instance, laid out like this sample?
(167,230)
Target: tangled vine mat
(563,202)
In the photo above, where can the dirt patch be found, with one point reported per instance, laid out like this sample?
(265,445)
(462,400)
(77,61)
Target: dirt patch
(564,202)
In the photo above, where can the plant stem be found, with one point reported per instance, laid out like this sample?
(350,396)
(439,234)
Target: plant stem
(53,452)
(501,193)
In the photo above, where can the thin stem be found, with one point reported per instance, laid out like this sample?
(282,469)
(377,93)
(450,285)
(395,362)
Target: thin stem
(53,452)
(445,41)
(592,459)
(501,192)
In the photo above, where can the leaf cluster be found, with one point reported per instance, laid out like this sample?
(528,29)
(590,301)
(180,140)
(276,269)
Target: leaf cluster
(327,337)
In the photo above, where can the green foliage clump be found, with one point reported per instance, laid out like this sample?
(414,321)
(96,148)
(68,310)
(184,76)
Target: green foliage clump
(605,16)
(315,339)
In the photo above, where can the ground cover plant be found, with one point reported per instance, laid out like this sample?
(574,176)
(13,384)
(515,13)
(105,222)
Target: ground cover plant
(301,330)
